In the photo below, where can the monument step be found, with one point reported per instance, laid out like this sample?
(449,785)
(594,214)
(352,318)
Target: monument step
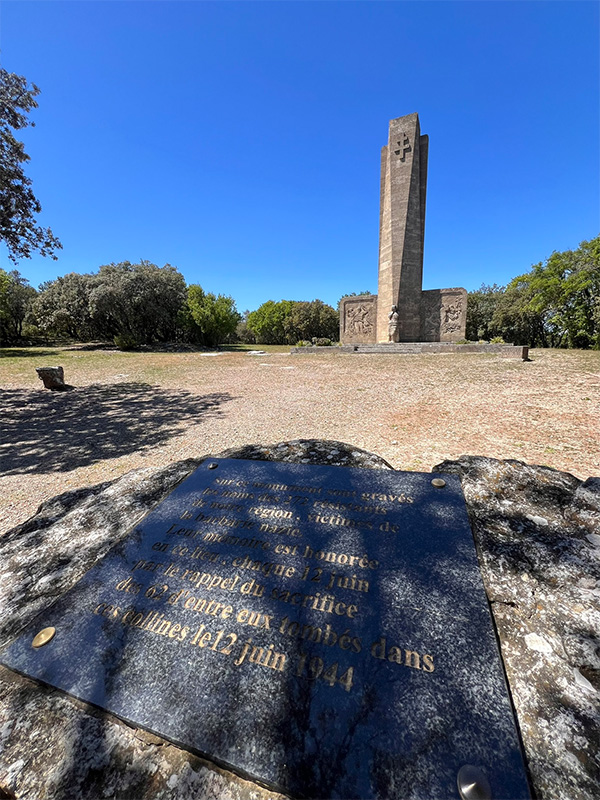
(412,348)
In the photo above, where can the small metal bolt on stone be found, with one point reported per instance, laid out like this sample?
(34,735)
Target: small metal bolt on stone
(212,465)
(439,483)
(472,784)
(43,637)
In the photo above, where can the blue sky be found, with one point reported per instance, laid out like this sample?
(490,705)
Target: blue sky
(240,141)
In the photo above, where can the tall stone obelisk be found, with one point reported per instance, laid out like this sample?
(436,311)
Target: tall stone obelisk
(434,315)
(402,228)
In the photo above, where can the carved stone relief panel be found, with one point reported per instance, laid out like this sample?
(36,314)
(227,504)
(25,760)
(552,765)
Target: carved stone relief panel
(358,319)
(443,315)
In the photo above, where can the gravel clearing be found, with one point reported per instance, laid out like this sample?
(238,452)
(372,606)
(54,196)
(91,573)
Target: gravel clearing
(131,410)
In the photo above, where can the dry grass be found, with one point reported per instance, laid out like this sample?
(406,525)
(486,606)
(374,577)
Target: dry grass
(148,409)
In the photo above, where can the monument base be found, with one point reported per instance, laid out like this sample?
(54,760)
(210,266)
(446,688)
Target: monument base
(443,315)
(415,348)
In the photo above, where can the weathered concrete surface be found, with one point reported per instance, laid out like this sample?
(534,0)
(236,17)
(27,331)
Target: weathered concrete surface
(538,538)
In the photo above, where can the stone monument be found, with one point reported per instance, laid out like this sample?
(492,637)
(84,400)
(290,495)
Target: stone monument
(436,315)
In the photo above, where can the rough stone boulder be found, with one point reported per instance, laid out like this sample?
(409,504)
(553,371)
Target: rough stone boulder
(538,537)
(53,378)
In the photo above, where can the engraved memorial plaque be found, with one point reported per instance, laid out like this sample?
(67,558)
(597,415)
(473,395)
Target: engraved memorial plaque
(322,630)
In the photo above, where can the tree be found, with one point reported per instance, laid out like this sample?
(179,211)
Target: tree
(566,290)
(214,317)
(18,204)
(288,321)
(135,302)
(62,308)
(242,332)
(269,323)
(556,303)
(16,298)
(515,320)
(139,302)
(481,305)
(314,319)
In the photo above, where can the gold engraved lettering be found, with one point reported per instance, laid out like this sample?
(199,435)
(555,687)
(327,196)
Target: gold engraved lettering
(266,568)
(223,520)
(129,586)
(148,566)
(270,513)
(255,618)
(347,507)
(279,530)
(338,521)
(232,640)
(326,603)
(153,622)
(326,635)
(278,661)
(428,665)
(332,557)
(387,498)
(401,656)
(106,610)
(286,549)
(284,487)
(412,659)
(344,582)
(224,538)
(230,482)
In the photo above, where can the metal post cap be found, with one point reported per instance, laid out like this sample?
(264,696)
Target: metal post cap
(43,637)
(472,784)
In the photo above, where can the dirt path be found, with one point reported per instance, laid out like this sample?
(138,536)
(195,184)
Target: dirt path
(148,409)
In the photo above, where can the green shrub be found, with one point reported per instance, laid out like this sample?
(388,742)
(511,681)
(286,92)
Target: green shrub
(323,342)
(497,340)
(126,341)
(302,343)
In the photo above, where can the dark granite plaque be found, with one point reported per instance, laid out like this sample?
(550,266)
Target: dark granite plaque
(323,630)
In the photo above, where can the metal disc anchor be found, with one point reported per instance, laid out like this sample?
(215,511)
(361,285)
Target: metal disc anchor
(43,637)
(472,784)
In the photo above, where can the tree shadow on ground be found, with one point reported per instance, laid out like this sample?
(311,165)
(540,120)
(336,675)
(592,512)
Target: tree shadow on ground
(43,431)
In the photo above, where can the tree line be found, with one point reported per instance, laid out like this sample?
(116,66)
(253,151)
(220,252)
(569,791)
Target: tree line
(143,304)
(555,304)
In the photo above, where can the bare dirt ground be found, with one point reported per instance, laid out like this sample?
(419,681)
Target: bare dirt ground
(132,410)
